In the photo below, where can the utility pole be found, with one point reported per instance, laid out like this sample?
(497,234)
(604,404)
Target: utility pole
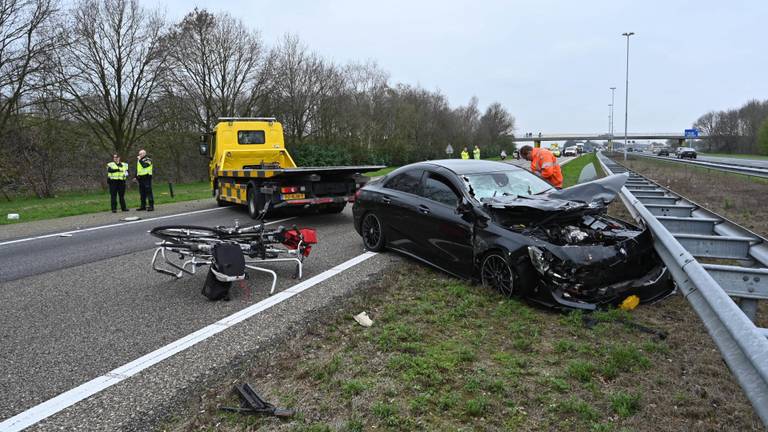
(613,93)
(626,96)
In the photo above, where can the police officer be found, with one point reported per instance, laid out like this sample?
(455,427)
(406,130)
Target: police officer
(465,154)
(476,153)
(117,173)
(144,177)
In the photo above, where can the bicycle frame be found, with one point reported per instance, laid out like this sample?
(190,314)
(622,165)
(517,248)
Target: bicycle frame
(201,255)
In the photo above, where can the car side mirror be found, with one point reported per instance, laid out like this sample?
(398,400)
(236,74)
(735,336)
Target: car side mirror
(203,149)
(464,207)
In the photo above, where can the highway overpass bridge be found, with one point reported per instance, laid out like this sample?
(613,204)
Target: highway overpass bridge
(538,138)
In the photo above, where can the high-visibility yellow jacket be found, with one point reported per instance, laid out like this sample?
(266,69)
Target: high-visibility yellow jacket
(117,172)
(144,167)
(464,154)
(476,153)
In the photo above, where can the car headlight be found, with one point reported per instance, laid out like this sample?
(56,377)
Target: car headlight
(538,259)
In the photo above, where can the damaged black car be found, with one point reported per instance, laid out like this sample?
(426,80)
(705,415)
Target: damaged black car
(508,229)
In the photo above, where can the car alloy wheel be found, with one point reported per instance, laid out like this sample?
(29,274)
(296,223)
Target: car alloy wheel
(373,237)
(496,273)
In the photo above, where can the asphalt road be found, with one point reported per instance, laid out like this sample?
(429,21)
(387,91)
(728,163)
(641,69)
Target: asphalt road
(74,308)
(755,163)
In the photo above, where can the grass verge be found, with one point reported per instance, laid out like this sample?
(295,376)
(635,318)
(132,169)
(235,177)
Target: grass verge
(572,169)
(734,196)
(445,355)
(76,203)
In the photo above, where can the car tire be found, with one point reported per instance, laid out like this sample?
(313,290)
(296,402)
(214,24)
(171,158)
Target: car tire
(372,232)
(497,273)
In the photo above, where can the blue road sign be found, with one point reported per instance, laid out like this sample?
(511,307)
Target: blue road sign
(691,133)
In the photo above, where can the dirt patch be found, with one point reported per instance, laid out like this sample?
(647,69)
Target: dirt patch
(444,355)
(739,198)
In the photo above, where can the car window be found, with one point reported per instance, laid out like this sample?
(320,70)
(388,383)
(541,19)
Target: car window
(405,182)
(436,188)
(251,137)
(517,182)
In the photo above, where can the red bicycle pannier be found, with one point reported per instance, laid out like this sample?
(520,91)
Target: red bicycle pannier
(291,239)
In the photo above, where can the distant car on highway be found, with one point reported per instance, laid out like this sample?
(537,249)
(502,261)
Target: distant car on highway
(685,152)
(662,152)
(570,151)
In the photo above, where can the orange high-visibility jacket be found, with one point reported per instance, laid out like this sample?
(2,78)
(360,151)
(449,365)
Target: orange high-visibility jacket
(545,164)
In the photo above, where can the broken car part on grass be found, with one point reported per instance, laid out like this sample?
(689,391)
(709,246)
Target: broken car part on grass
(252,403)
(512,231)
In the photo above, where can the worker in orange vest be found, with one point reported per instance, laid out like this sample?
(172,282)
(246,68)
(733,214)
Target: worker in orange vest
(543,164)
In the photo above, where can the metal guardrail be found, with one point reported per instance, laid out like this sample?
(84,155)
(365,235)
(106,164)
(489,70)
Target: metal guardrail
(727,167)
(682,231)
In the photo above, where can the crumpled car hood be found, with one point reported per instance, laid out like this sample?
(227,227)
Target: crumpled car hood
(601,191)
(594,194)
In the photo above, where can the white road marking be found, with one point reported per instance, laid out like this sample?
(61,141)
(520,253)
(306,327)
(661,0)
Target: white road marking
(52,406)
(69,233)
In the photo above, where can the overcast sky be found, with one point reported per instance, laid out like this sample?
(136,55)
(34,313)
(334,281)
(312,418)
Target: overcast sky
(551,63)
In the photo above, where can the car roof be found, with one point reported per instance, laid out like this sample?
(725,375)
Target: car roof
(470,166)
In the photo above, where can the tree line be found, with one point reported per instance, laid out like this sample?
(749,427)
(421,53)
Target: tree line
(741,130)
(110,76)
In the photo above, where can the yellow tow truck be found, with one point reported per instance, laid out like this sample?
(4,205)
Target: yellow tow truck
(249,165)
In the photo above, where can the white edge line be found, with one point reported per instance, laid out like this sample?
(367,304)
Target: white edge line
(64,400)
(26,239)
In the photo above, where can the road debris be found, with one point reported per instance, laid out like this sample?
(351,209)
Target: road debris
(130,218)
(252,403)
(363,319)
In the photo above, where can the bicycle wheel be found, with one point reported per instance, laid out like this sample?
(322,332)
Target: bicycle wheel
(184,233)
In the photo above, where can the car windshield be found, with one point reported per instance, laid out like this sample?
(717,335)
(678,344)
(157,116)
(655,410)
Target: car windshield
(512,182)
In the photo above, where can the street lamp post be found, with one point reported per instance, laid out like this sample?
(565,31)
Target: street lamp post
(626,96)
(613,93)
(610,119)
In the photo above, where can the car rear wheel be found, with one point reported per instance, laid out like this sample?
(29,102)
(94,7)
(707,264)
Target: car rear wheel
(373,235)
(496,273)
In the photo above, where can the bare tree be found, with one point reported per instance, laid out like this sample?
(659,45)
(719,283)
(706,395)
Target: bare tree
(219,67)
(495,125)
(26,37)
(112,67)
(302,80)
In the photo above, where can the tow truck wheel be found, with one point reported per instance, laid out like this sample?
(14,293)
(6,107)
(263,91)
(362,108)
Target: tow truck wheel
(373,234)
(496,273)
(255,203)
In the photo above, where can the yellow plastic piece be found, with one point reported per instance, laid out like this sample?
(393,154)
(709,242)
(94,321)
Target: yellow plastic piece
(630,303)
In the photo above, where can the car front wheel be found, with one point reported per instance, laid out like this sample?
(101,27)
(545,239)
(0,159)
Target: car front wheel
(372,232)
(496,273)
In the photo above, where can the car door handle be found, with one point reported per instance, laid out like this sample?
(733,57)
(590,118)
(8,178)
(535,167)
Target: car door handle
(386,200)
(423,209)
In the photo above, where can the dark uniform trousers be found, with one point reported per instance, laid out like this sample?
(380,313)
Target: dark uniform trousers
(117,189)
(145,191)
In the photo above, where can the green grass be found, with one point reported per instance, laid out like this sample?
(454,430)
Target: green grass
(445,355)
(77,203)
(572,169)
